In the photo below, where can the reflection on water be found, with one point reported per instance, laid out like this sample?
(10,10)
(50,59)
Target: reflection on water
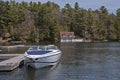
(46,73)
(79,61)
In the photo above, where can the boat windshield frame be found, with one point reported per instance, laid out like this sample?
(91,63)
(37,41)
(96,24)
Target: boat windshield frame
(33,48)
(43,48)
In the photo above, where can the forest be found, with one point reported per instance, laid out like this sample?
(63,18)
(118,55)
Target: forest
(42,22)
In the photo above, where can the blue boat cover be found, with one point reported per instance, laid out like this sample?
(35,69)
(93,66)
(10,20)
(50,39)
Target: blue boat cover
(37,52)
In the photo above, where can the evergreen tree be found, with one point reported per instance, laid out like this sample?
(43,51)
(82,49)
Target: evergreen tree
(36,21)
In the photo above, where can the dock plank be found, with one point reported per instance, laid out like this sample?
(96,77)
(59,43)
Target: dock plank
(12,63)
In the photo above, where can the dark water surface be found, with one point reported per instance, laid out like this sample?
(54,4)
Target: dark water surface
(79,61)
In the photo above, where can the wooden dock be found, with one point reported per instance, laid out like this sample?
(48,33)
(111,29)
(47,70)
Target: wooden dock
(11,61)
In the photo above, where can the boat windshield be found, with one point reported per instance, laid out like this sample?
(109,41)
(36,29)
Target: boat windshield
(43,48)
(51,47)
(33,48)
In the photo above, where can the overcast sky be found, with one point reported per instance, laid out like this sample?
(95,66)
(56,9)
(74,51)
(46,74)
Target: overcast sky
(111,5)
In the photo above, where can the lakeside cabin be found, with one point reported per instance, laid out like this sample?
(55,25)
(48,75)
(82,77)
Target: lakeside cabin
(69,37)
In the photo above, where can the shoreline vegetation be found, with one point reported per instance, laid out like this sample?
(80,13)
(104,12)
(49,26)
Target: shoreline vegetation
(41,22)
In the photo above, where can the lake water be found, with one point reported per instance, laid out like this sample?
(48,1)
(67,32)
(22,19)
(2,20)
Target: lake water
(79,61)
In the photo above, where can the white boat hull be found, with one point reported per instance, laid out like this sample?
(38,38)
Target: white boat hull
(43,61)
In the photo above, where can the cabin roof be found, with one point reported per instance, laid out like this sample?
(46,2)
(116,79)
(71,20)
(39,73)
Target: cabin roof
(67,35)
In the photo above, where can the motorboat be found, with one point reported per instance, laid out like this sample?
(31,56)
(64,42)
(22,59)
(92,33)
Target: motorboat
(42,56)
